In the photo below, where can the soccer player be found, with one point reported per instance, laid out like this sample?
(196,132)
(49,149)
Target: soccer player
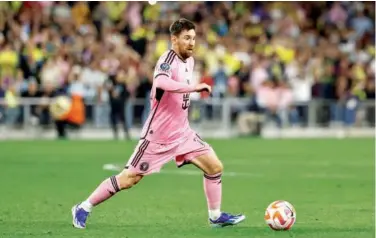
(167,135)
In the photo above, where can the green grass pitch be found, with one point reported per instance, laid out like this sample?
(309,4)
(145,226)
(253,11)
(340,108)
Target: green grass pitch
(330,182)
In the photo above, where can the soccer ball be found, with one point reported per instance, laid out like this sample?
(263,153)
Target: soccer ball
(280,215)
(60,107)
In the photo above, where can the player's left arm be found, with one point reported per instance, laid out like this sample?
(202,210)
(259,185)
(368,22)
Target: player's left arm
(169,85)
(163,79)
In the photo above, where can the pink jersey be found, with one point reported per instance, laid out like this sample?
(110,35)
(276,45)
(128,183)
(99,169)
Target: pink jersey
(168,118)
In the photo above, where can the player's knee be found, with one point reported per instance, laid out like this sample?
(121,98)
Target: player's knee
(216,168)
(125,182)
(127,179)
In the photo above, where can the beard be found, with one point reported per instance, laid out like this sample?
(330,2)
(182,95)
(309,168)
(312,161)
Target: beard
(185,53)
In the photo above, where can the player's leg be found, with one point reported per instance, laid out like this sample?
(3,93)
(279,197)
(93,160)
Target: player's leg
(147,158)
(108,188)
(204,157)
(213,168)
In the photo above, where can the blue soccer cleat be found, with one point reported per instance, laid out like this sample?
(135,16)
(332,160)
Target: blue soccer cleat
(79,217)
(227,219)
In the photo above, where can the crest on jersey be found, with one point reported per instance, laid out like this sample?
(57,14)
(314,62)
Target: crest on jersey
(164,67)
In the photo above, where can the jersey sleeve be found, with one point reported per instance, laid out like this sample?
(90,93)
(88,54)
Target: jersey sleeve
(164,79)
(163,68)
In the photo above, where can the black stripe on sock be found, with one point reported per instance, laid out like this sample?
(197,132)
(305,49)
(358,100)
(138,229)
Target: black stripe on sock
(114,183)
(210,177)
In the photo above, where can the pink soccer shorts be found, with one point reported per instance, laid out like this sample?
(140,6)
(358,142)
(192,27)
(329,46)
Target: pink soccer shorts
(149,157)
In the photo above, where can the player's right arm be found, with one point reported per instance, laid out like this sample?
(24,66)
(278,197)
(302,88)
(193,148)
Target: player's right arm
(163,80)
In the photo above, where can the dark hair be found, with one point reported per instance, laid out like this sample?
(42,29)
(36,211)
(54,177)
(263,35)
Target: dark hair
(180,25)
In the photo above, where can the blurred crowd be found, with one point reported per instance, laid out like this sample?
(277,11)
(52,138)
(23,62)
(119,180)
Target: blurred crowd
(277,54)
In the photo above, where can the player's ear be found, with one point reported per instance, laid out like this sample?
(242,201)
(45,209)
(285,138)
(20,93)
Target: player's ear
(174,38)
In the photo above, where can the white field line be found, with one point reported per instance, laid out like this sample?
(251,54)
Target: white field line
(250,161)
(190,172)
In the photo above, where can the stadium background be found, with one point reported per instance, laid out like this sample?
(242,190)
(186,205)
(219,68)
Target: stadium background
(321,55)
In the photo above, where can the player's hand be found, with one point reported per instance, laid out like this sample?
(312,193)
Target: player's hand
(203,87)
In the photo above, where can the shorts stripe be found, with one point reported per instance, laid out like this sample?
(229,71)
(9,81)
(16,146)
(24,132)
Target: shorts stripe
(212,178)
(140,152)
(199,137)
